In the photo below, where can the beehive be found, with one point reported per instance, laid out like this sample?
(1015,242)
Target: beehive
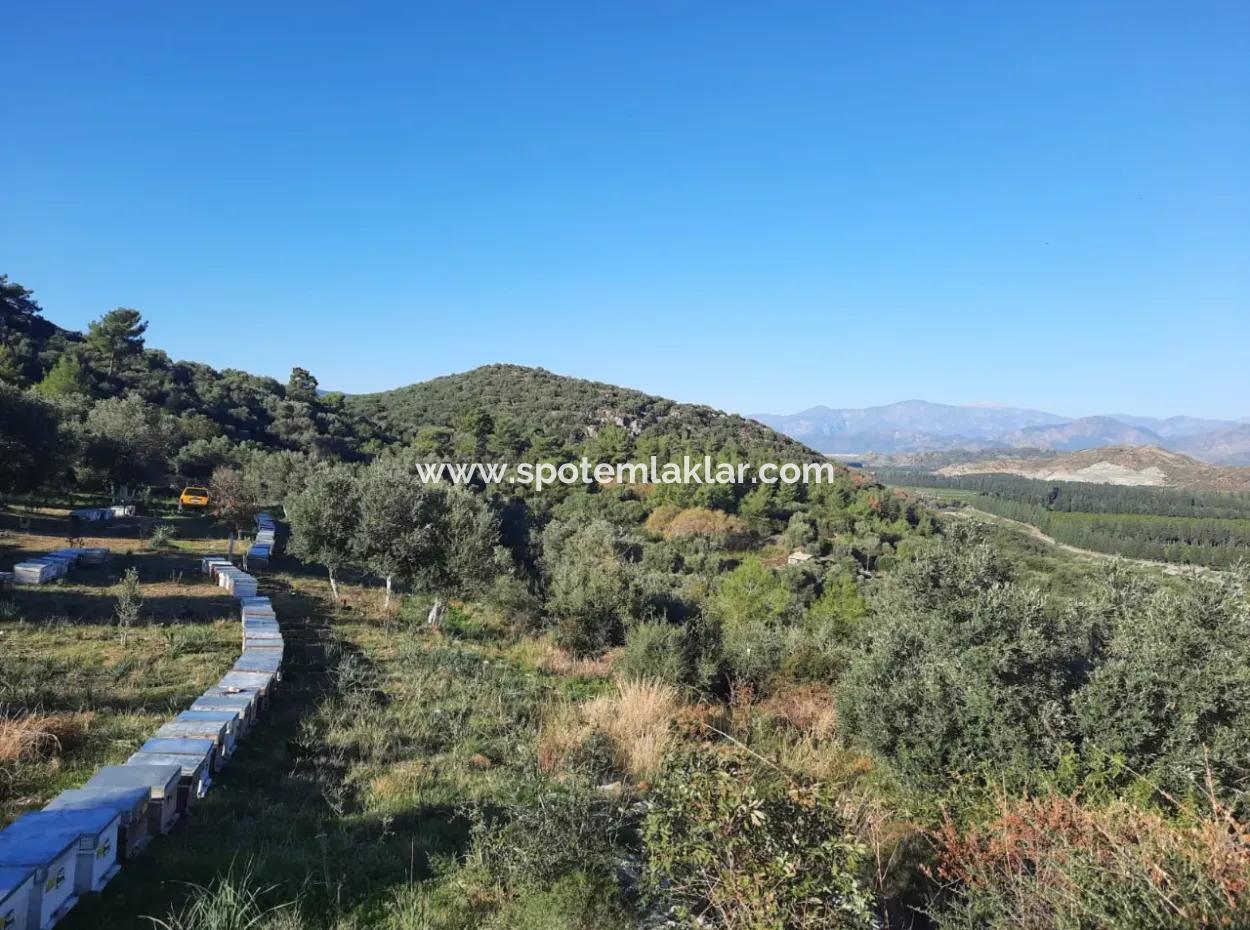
(255,696)
(257,661)
(52,858)
(94,835)
(161,783)
(130,803)
(17,884)
(241,704)
(205,748)
(240,681)
(211,564)
(195,778)
(93,555)
(35,571)
(214,730)
(274,646)
(232,720)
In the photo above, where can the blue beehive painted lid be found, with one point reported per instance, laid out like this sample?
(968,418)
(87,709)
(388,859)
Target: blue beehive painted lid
(189,765)
(37,839)
(12,877)
(216,700)
(89,821)
(180,746)
(122,800)
(156,778)
(190,730)
(226,716)
(253,661)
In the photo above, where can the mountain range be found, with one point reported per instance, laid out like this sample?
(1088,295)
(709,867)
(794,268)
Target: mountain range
(922,426)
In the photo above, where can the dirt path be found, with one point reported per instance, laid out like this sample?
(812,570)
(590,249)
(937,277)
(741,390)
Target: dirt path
(1168,568)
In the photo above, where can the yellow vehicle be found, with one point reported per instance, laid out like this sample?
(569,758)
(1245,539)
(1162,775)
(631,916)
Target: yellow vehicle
(193,496)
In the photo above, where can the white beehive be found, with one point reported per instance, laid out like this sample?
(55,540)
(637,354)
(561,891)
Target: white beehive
(95,835)
(257,644)
(256,661)
(231,721)
(241,704)
(17,884)
(212,564)
(214,730)
(131,803)
(255,696)
(195,779)
(161,783)
(34,571)
(53,858)
(244,681)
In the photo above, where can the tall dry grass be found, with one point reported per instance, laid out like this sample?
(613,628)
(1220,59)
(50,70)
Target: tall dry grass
(637,721)
(31,737)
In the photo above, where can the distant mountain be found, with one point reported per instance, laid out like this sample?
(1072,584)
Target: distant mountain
(1147,466)
(1174,427)
(1229,446)
(918,426)
(910,425)
(1084,433)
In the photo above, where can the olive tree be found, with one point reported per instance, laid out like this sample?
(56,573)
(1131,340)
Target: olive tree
(325,521)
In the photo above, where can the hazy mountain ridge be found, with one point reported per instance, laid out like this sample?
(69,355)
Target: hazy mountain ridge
(915,426)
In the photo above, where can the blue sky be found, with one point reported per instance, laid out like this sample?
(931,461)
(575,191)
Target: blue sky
(761,206)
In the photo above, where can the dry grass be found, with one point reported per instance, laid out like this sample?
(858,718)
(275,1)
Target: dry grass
(637,720)
(555,661)
(31,737)
(809,710)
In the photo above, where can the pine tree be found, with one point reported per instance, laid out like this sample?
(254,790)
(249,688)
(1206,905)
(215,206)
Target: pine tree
(117,336)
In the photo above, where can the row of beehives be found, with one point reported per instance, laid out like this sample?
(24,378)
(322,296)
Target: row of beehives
(261,550)
(78,842)
(103,514)
(57,564)
(235,580)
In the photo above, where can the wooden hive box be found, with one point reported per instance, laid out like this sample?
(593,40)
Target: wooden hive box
(130,803)
(161,783)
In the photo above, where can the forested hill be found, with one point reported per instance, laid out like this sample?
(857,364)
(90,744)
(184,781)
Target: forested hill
(531,409)
(107,409)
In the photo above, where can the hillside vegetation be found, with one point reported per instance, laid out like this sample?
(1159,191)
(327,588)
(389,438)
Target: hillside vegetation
(603,706)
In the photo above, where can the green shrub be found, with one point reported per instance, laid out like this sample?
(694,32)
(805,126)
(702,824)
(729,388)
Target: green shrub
(959,670)
(686,655)
(1172,698)
(732,844)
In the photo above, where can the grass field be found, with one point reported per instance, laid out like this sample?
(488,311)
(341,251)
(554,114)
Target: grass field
(378,791)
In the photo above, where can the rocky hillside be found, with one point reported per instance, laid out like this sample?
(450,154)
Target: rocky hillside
(1146,466)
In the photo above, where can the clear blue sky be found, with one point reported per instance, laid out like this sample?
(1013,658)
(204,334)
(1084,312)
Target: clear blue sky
(757,205)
